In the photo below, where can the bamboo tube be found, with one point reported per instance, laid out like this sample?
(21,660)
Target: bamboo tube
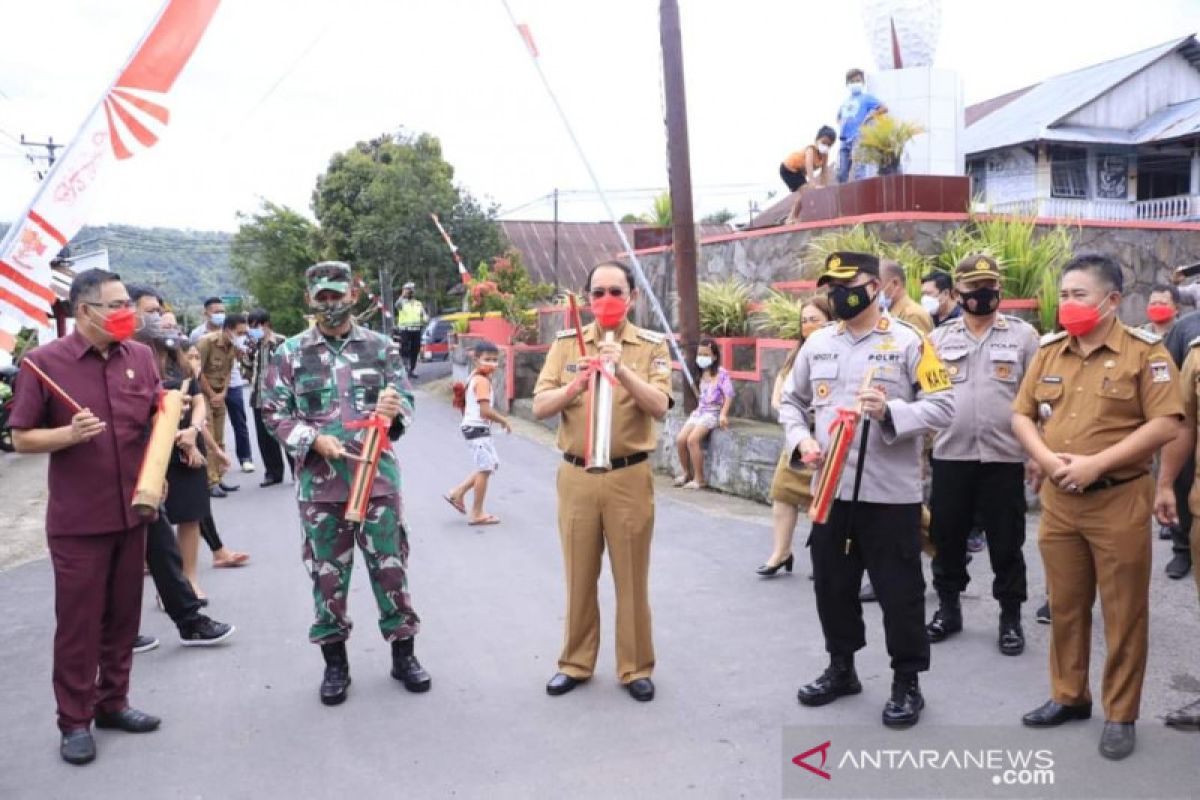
(153,475)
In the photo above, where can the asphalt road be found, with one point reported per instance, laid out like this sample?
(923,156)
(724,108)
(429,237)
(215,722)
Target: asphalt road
(243,720)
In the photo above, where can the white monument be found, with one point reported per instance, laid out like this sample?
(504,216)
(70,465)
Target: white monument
(903,36)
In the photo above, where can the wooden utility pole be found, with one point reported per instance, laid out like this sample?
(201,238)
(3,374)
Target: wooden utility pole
(680,174)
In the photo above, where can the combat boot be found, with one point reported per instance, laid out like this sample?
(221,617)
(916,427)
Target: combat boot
(337,674)
(947,619)
(903,708)
(837,680)
(406,668)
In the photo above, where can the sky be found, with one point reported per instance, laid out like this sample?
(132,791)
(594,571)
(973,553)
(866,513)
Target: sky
(277,86)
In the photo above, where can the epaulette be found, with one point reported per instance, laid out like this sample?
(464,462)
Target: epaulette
(1194,342)
(565,334)
(654,337)
(1051,338)
(1145,336)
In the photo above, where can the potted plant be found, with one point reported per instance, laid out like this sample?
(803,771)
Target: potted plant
(882,143)
(724,308)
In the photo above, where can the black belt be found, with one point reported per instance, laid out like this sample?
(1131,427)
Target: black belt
(1108,483)
(617,463)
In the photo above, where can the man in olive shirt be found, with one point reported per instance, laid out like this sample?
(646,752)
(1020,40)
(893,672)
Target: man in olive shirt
(893,296)
(218,352)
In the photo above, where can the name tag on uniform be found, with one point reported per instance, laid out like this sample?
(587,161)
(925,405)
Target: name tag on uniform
(1051,379)
(1160,372)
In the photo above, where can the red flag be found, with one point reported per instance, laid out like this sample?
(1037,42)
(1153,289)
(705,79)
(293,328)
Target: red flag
(129,118)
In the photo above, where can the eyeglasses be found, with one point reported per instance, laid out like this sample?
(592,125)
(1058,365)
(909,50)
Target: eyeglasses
(115,305)
(612,291)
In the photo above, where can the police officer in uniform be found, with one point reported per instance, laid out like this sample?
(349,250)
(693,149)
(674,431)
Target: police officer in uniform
(1105,397)
(978,465)
(908,395)
(613,509)
(1177,457)
(410,319)
(319,385)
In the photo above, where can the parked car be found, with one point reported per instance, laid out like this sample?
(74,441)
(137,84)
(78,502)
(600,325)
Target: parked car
(436,339)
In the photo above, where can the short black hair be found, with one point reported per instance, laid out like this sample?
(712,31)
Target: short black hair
(1169,289)
(716,351)
(259,316)
(213,301)
(88,283)
(233,320)
(1103,267)
(941,280)
(483,346)
(854,72)
(137,291)
(827,132)
(621,265)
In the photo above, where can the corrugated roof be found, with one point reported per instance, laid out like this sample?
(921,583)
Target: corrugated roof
(974,113)
(1028,117)
(581,246)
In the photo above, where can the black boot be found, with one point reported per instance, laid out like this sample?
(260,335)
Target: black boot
(337,674)
(947,619)
(838,680)
(406,668)
(1012,637)
(903,708)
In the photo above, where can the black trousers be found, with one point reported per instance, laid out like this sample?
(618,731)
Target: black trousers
(1181,534)
(208,531)
(410,348)
(993,494)
(268,448)
(886,541)
(235,407)
(166,568)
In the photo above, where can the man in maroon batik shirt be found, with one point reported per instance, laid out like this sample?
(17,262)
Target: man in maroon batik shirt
(97,542)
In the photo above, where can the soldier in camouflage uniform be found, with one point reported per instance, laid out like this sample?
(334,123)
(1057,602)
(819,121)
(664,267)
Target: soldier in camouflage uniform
(319,384)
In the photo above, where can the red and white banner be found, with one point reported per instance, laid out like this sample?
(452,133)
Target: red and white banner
(128,120)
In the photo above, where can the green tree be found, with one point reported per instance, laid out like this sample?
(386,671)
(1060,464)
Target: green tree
(718,217)
(374,202)
(270,253)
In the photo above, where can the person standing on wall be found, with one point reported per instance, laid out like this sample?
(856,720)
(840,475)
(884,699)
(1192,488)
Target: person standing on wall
(857,110)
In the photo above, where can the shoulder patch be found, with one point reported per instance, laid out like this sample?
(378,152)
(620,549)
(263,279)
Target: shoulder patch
(1194,342)
(1051,338)
(1146,336)
(654,337)
(565,334)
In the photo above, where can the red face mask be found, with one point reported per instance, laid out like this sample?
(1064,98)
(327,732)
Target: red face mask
(1078,319)
(609,311)
(485,369)
(120,324)
(1160,313)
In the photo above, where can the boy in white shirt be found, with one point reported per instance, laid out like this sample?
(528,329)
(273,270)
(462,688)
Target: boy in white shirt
(474,399)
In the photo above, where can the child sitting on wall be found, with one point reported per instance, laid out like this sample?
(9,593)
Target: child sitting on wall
(716,397)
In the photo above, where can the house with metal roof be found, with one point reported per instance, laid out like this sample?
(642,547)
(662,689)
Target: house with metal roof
(1114,141)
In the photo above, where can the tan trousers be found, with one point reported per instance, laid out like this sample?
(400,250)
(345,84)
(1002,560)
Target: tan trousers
(216,424)
(613,509)
(1100,539)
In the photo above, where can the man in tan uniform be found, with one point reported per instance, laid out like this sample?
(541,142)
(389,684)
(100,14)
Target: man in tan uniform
(615,508)
(1106,397)
(893,296)
(1174,457)
(218,351)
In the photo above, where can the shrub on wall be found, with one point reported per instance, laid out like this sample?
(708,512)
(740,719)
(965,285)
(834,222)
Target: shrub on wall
(779,317)
(724,308)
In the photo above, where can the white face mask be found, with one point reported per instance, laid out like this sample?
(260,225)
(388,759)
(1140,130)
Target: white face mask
(704,362)
(930,304)
(856,87)
(822,148)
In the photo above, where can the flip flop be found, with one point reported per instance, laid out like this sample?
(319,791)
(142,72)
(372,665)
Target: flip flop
(490,519)
(236,559)
(459,507)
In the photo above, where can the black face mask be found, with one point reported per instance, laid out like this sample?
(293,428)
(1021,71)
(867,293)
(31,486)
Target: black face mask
(849,302)
(985,301)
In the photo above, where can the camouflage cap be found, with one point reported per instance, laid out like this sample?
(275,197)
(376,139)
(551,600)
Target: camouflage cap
(332,275)
(844,265)
(977,266)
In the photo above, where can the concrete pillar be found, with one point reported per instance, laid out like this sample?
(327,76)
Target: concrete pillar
(1194,182)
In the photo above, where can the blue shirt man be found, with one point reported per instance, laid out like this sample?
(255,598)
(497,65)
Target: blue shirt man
(858,107)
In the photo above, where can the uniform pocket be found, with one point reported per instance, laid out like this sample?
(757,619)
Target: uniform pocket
(823,377)
(1004,366)
(364,391)
(316,395)
(1047,392)
(1119,388)
(956,364)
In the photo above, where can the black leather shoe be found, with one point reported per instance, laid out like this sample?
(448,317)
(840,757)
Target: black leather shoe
(1118,740)
(77,747)
(903,708)
(129,720)
(561,683)
(1179,565)
(946,622)
(226,487)
(1012,638)
(216,491)
(1186,718)
(336,683)
(838,680)
(406,668)
(641,689)
(768,571)
(1050,714)
(270,482)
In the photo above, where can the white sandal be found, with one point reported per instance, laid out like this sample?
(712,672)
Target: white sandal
(681,481)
